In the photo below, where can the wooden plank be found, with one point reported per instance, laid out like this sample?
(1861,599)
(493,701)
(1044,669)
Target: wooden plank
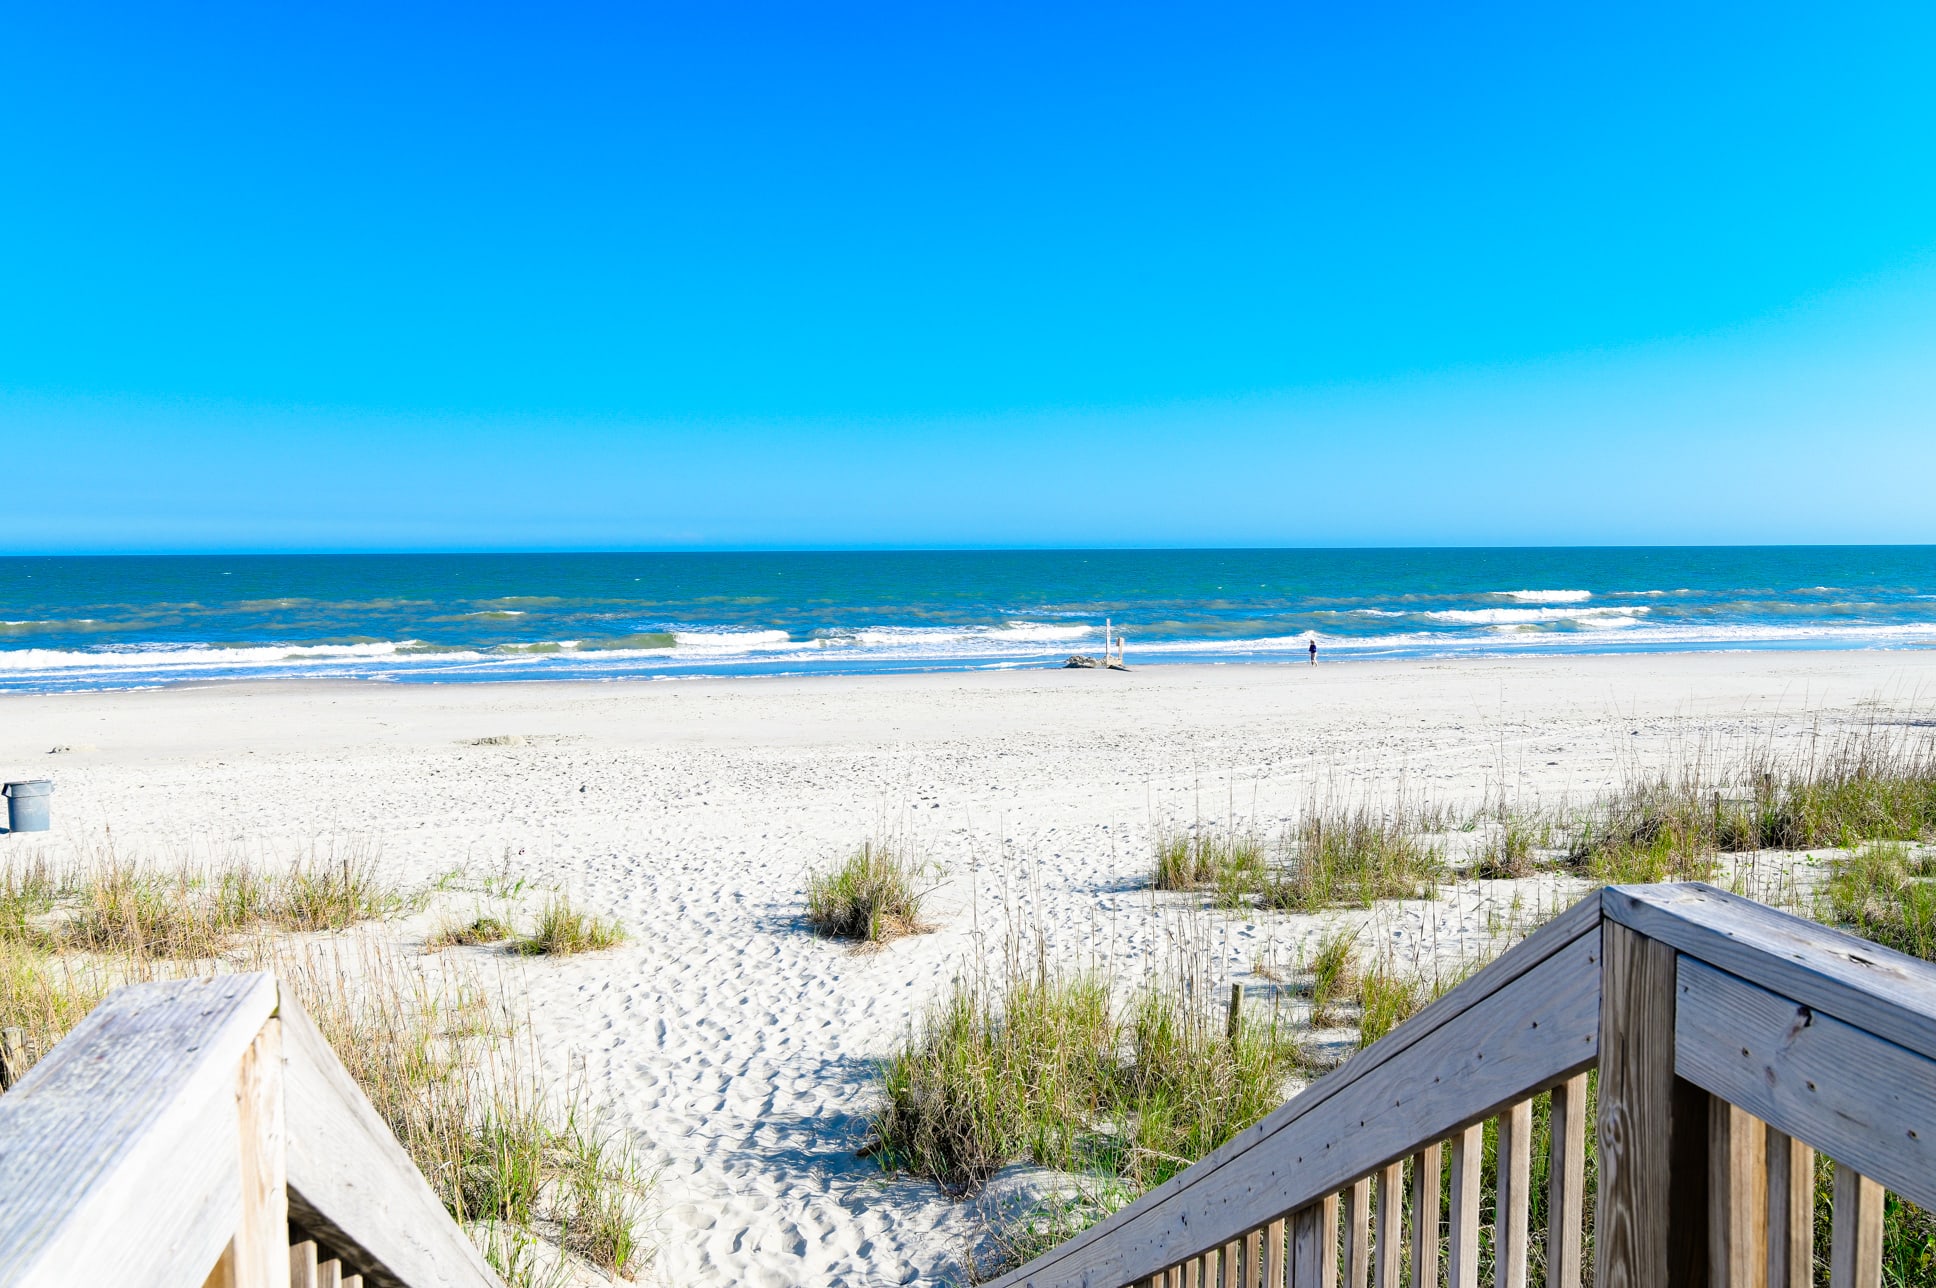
(1855,1251)
(1305,1248)
(1791,1211)
(1426,1198)
(1229,1265)
(1566,1184)
(1328,1241)
(329,1274)
(260,1249)
(1462,1246)
(1357,1234)
(1737,1230)
(130,1126)
(1635,1120)
(1513,1202)
(1853,1096)
(1388,1236)
(1527,1020)
(351,1183)
(223,1276)
(1254,1259)
(1866,985)
(1540,1028)
(302,1264)
(1274,1250)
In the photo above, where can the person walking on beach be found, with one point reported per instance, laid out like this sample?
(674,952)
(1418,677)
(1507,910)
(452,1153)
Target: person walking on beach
(1314,652)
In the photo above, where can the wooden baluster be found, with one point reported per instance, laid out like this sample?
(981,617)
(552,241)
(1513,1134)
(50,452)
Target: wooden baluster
(1388,1239)
(1737,1178)
(352,1281)
(1425,1217)
(1514,1181)
(1253,1259)
(1566,1184)
(329,1274)
(1462,1256)
(259,1251)
(1227,1264)
(1855,1250)
(1632,1235)
(1314,1245)
(302,1264)
(1357,1234)
(1791,1211)
(1274,1254)
(1193,1273)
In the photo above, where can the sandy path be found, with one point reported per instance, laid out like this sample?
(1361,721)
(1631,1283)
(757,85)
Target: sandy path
(738,1049)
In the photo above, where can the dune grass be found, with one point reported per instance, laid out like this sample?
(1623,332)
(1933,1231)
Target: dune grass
(562,930)
(873,895)
(1050,1066)
(1351,856)
(1231,864)
(1886,892)
(1876,783)
(108,903)
(483,928)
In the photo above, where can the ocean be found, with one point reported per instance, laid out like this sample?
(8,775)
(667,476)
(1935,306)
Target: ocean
(87,622)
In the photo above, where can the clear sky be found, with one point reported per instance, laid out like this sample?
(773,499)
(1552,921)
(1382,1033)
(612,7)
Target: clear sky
(393,276)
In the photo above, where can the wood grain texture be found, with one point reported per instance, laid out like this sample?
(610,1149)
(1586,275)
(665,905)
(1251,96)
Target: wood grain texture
(1388,1233)
(1635,1119)
(1274,1249)
(302,1264)
(1357,1234)
(351,1182)
(1426,1200)
(1526,1021)
(1852,1095)
(259,1251)
(1306,1248)
(1566,1184)
(1866,985)
(1737,1186)
(129,1125)
(1230,1263)
(1513,1184)
(1791,1211)
(1462,1232)
(1855,1250)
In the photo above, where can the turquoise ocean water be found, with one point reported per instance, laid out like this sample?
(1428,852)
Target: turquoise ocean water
(123,622)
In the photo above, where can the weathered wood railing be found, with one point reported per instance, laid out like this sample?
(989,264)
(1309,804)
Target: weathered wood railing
(1732,1043)
(202,1132)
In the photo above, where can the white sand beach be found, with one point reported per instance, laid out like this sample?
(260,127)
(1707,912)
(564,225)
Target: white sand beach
(736,1048)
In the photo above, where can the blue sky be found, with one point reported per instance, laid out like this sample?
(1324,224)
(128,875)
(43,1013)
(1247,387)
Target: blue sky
(710,275)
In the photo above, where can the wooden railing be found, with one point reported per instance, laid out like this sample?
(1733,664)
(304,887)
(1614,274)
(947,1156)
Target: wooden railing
(1733,1042)
(202,1132)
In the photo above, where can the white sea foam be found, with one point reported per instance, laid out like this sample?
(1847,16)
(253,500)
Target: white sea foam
(1545,596)
(1493,616)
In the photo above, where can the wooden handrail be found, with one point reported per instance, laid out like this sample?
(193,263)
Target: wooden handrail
(180,1130)
(1524,1023)
(1733,1042)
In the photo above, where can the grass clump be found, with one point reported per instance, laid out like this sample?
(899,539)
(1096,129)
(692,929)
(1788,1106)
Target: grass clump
(1050,1067)
(1334,974)
(873,895)
(481,929)
(1887,893)
(1352,857)
(1232,865)
(563,930)
(1868,784)
(108,903)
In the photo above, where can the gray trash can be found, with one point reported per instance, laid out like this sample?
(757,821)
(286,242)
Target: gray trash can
(27,804)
